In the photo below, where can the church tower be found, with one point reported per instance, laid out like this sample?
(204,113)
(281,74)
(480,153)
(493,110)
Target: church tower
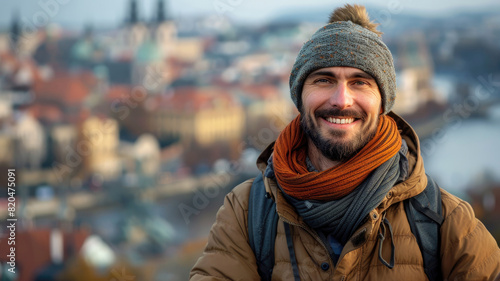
(163,30)
(160,12)
(15,31)
(133,16)
(16,41)
(136,31)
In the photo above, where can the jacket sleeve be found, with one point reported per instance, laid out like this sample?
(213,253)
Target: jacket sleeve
(468,250)
(227,255)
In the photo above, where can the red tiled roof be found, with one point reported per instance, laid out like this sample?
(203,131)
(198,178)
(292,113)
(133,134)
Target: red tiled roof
(33,250)
(46,112)
(35,71)
(116,92)
(8,57)
(64,88)
(194,99)
(260,91)
(88,78)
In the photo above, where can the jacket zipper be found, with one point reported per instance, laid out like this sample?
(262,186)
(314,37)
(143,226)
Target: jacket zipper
(312,234)
(321,242)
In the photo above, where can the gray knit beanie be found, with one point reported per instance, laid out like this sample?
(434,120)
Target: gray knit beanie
(343,43)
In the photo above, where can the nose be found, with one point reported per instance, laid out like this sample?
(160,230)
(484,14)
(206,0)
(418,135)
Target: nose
(341,96)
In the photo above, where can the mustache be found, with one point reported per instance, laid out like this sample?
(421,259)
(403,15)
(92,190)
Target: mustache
(349,113)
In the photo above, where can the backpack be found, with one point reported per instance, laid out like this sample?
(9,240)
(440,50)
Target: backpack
(424,213)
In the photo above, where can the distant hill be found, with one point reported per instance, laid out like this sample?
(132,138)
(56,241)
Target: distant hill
(320,14)
(391,23)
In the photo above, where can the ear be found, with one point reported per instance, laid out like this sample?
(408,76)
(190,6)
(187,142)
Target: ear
(300,104)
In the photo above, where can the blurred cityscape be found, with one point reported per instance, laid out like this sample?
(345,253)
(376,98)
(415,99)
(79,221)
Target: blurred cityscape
(125,140)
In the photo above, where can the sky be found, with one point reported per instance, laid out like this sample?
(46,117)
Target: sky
(109,13)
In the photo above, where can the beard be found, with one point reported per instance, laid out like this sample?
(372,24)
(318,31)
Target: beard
(333,144)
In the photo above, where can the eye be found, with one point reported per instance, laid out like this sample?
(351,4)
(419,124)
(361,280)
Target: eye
(360,83)
(322,81)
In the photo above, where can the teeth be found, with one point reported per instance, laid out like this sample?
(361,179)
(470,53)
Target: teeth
(340,121)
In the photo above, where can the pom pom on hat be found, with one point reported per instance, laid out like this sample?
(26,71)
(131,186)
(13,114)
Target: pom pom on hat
(356,14)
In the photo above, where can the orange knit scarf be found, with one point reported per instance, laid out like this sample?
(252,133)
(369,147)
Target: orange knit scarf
(289,162)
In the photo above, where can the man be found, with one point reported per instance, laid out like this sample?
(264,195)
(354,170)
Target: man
(340,173)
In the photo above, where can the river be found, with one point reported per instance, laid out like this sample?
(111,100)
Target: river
(464,153)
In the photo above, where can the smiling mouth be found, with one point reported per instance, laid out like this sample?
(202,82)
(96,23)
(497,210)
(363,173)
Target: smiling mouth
(340,120)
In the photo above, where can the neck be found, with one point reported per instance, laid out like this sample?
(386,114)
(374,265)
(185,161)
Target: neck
(320,162)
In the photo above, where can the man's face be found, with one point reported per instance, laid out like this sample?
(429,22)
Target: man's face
(340,110)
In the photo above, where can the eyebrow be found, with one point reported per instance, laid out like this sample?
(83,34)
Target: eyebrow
(357,74)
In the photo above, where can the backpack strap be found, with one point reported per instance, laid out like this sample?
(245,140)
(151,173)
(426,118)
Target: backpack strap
(262,225)
(425,217)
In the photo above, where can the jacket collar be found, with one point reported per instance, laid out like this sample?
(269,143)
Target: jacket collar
(416,181)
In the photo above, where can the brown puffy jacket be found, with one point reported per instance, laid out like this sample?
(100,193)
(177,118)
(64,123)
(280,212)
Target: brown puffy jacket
(468,251)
